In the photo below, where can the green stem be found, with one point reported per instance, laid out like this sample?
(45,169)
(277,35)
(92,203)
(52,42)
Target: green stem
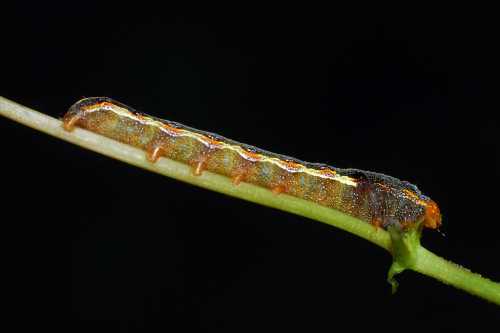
(460,277)
(426,263)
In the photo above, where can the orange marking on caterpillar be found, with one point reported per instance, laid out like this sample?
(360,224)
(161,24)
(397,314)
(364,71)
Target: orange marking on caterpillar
(237,179)
(251,155)
(172,129)
(291,166)
(241,170)
(198,170)
(432,217)
(278,189)
(97,106)
(377,222)
(375,198)
(211,142)
(154,153)
(201,161)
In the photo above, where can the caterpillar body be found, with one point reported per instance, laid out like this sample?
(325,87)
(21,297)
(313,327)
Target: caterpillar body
(376,198)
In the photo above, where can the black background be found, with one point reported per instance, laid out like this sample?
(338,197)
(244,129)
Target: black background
(112,247)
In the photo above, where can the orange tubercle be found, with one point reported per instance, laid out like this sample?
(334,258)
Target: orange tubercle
(432,218)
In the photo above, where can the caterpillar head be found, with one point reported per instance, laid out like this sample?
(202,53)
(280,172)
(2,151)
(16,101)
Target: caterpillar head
(432,215)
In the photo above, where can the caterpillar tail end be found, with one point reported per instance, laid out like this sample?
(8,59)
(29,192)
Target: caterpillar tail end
(72,117)
(69,121)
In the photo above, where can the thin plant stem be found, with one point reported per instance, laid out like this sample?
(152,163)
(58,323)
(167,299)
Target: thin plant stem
(448,272)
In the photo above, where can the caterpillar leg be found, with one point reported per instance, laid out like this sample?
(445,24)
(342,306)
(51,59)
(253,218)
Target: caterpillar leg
(377,222)
(278,189)
(153,153)
(198,169)
(240,171)
(200,162)
(238,178)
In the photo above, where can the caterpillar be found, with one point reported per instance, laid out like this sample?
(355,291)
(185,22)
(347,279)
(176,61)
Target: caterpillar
(375,198)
